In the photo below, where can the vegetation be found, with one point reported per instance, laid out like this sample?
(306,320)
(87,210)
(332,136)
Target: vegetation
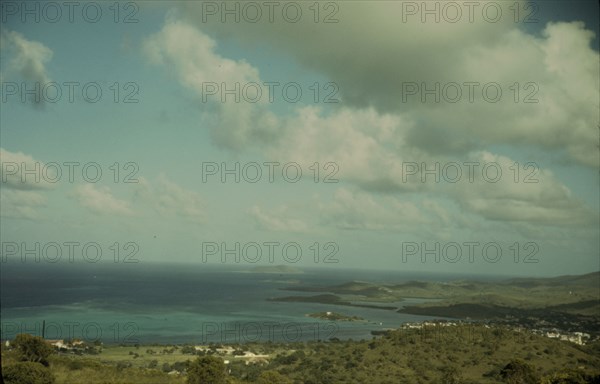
(334,316)
(518,372)
(272,377)
(31,354)
(568,303)
(510,349)
(27,373)
(32,348)
(207,370)
(465,354)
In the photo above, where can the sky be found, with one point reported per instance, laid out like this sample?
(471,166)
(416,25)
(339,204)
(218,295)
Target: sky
(440,136)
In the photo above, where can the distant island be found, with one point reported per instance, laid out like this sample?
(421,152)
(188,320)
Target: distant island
(275,269)
(327,299)
(334,316)
(568,303)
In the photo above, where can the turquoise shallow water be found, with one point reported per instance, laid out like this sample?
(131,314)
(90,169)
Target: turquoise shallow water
(180,304)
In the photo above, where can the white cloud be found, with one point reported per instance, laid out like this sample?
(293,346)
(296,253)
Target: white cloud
(367,147)
(561,64)
(169,199)
(438,210)
(101,200)
(278,220)
(19,204)
(547,201)
(359,210)
(28,57)
(22,179)
(22,171)
(370,143)
(192,56)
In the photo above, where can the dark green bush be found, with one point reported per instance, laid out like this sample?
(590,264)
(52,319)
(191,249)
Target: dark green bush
(27,373)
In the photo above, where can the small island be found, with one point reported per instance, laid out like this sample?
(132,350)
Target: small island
(333,316)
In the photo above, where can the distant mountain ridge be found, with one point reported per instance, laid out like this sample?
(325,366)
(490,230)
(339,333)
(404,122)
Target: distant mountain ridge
(276,269)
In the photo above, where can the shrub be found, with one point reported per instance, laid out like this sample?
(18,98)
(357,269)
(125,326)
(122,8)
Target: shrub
(121,365)
(272,377)
(518,372)
(32,348)
(188,350)
(207,370)
(27,373)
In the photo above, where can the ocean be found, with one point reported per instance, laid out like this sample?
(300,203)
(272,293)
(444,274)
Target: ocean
(183,303)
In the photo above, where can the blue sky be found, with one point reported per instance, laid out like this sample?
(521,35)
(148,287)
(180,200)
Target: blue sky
(372,139)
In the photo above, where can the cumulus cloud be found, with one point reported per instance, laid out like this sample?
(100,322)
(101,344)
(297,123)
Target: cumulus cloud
(558,68)
(22,171)
(278,220)
(370,143)
(192,56)
(543,199)
(23,179)
(28,58)
(372,153)
(99,199)
(367,147)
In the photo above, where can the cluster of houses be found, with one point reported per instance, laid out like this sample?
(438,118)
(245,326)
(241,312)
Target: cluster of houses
(73,346)
(438,323)
(580,338)
(249,357)
(69,346)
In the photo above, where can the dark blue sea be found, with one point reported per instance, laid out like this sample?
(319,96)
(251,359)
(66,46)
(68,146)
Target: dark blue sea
(183,303)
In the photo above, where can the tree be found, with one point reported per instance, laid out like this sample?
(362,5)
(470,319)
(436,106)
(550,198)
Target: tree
(518,372)
(207,370)
(272,377)
(27,373)
(32,348)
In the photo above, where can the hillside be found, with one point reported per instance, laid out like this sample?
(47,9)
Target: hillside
(467,354)
(570,303)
